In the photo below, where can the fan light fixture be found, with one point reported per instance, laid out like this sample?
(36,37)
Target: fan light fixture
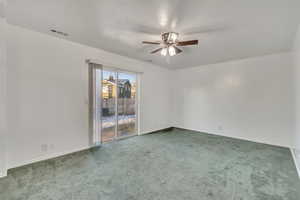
(172,37)
(172,51)
(164,51)
(170,43)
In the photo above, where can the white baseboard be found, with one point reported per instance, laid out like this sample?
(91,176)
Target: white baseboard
(295,158)
(153,130)
(58,154)
(296,161)
(221,133)
(47,157)
(3,173)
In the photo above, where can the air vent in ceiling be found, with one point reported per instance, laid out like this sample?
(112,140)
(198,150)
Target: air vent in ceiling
(59,32)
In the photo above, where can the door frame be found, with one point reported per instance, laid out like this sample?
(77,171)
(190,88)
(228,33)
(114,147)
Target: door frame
(137,102)
(94,129)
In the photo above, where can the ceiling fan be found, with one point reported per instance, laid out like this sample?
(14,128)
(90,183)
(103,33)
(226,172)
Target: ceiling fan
(170,43)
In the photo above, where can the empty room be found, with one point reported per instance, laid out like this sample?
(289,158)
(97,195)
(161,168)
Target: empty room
(149,100)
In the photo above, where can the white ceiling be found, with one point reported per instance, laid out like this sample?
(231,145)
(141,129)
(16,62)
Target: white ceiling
(226,29)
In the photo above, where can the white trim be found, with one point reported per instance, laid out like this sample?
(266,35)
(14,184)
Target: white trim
(3,174)
(58,154)
(295,161)
(48,156)
(297,165)
(154,130)
(233,136)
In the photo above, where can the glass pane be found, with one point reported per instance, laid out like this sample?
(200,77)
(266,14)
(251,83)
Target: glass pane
(127,87)
(108,105)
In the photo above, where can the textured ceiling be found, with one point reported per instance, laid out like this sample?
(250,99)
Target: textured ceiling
(226,29)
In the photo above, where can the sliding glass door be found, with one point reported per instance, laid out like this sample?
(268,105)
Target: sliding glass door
(126,104)
(109,107)
(116,97)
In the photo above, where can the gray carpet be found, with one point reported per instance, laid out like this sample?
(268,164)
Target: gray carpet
(163,166)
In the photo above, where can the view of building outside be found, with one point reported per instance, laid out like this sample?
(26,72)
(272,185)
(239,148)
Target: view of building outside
(126,104)
(120,89)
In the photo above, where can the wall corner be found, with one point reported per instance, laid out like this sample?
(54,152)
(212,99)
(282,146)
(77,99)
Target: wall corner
(3,173)
(296,157)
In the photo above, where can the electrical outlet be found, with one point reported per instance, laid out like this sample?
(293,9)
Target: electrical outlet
(44,147)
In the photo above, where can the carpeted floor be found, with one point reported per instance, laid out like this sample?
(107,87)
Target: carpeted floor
(175,165)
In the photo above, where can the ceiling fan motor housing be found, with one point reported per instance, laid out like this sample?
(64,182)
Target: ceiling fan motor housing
(169,37)
(169,44)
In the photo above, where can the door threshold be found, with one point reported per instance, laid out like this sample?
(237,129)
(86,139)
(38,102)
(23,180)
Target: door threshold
(120,138)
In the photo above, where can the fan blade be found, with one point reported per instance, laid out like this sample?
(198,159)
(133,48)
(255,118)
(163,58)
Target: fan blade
(186,43)
(156,50)
(146,42)
(177,50)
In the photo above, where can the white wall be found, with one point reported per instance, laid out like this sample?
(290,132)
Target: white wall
(48,94)
(250,99)
(2,97)
(296,137)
